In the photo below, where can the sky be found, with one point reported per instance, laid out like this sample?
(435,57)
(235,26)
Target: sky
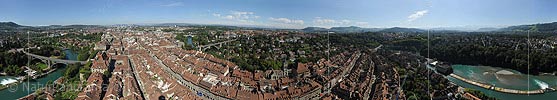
(283,13)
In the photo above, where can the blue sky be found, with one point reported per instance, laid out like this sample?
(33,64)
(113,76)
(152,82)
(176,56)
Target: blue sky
(283,13)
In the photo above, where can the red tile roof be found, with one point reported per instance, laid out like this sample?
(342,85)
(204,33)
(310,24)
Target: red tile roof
(301,68)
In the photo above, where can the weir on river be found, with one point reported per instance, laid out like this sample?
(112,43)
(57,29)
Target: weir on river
(493,77)
(505,90)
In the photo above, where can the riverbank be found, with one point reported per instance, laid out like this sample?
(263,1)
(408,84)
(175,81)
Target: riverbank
(6,83)
(504,90)
(21,79)
(25,88)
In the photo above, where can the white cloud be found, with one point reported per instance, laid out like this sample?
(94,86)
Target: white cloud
(216,14)
(173,4)
(345,22)
(362,23)
(248,21)
(417,15)
(242,13)
(321,21)
(242,16)
(325,21)
(229,17)
(286,20)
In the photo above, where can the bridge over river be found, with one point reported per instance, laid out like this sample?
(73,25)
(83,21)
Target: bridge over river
(50,61)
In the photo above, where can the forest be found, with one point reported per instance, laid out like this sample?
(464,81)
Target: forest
(498,50)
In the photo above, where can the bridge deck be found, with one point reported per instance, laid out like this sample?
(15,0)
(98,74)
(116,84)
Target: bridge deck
(54,59)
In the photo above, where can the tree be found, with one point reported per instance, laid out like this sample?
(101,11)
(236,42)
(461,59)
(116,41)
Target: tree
(478,94)
(71,71)
(83,56)
(107,74)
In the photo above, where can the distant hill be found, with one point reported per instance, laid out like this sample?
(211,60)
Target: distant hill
(314,29)
(452,29)
(543,27)
(400,29)
(69,26)
(9,25)
(487,29)
(350,29)
(81,26)
(173,24)
(354,29)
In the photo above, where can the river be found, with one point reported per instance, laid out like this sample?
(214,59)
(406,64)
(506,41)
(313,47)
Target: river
(505,78)
(28,87)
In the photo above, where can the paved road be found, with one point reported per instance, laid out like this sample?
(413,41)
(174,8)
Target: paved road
(208,95)
(343,74)
(20,49)
(378,47)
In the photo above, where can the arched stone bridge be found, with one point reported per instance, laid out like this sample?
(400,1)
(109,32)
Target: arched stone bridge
(204,47)
(51,61)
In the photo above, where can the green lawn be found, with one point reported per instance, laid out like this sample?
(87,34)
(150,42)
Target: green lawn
(42,66)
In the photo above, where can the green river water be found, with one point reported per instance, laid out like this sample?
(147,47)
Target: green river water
(27,87)
(516,80)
